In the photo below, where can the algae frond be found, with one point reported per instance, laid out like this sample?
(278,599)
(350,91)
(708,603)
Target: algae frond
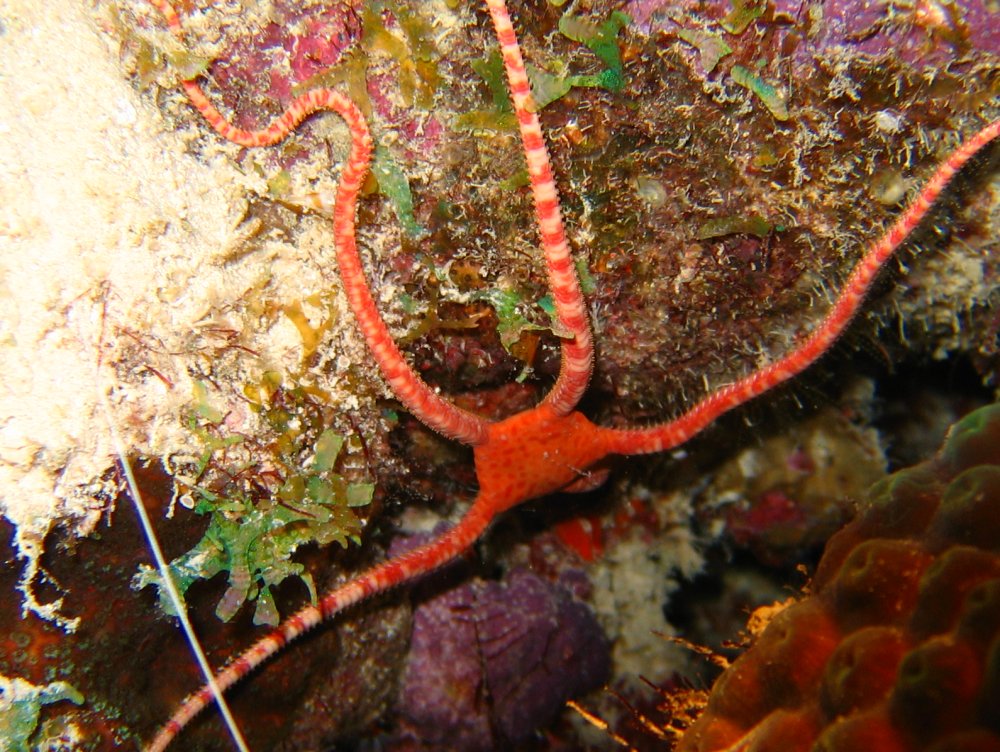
(263,501)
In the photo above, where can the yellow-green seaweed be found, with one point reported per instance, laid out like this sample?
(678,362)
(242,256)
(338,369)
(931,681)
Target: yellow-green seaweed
(772,98)
(711,47)
(500,118)
(20,709)
(743,13)
(412,49)
(750,224)
(255,525)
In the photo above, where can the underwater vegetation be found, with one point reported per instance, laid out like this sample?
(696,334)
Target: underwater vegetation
(261,514)
(20,710)
(763,208)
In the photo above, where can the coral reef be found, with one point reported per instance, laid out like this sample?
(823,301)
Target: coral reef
(750,232)
(896,645)
(706,226)
(924,33)
(785,496)
(769,206)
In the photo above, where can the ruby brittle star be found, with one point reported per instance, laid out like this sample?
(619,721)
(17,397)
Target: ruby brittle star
(552,446)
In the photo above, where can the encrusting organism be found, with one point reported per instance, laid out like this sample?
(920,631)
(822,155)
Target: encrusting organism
(897,645)
(491,661)
(552,446)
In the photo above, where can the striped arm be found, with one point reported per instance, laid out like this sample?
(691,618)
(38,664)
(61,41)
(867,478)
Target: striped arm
(379,579)
(422,401)
(284,124)
(849,301)
(577,343)
(419,398)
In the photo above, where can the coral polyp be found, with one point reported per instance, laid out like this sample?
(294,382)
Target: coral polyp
(897,645)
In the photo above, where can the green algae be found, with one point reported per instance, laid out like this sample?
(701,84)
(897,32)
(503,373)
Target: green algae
(512,322)
(20,709)
(602,40)
(772,98)
(393,184)
(263,502)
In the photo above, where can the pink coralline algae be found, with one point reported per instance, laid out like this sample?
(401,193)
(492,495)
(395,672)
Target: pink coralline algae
(897,646)
(301,40)
(420,130)
(771,510)
(921,33)
(259,70)
(491,662)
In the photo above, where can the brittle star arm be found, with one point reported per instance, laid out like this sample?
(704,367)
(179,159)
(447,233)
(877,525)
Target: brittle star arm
(378,579)
(418,397)
(571,309)
(675,432)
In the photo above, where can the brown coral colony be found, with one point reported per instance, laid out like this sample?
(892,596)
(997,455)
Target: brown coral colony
(898,646)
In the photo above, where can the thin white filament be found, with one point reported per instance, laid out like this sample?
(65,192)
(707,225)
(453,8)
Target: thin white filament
(168,580)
